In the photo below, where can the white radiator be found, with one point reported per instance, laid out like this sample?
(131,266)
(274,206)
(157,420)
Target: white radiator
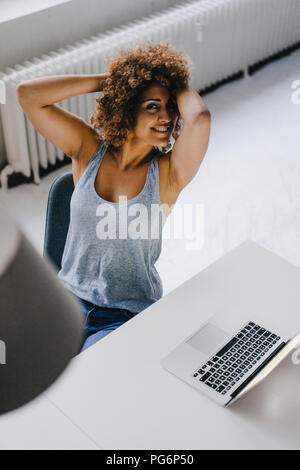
(222,37)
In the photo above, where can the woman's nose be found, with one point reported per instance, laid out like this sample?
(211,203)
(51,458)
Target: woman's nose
(164,117)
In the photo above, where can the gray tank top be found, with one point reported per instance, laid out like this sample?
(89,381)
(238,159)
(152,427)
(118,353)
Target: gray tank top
(111,248)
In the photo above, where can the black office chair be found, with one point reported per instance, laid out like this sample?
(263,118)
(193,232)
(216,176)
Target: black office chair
(58,218)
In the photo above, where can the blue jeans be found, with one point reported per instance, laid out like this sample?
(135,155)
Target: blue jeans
(100,321)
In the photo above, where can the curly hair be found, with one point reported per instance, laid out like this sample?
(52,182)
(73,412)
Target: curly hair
(131,72)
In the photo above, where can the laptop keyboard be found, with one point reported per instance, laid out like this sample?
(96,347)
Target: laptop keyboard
(228,366)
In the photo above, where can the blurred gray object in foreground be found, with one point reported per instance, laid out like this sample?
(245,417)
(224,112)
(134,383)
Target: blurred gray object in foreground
(41,326)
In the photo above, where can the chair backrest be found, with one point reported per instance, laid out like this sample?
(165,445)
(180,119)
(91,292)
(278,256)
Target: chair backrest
(58,218)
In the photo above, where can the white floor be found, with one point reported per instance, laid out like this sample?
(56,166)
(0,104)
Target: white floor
(248,183)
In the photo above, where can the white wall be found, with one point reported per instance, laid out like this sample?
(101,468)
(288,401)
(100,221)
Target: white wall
(42,32)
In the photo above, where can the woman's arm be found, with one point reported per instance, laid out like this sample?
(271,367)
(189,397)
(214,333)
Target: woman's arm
(63,129)
(191,145)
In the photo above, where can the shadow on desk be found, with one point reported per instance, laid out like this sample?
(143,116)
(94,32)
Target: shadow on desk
(275,403)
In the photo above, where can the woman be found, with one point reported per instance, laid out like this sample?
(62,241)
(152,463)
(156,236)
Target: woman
(125,152)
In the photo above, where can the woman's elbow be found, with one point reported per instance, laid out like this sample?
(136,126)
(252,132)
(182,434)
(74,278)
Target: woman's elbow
(22,92)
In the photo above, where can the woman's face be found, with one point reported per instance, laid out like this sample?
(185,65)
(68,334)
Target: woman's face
(156,116)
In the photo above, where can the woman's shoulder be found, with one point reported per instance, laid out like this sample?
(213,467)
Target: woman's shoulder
(168,188)
(87,151)
(89,146)
(163,160)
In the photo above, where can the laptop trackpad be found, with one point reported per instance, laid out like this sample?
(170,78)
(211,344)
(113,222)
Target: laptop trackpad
(208,338)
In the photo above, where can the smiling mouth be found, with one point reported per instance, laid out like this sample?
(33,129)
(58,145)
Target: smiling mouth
(162,131)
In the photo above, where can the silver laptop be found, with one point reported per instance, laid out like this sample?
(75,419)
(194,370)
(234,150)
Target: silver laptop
(228,356)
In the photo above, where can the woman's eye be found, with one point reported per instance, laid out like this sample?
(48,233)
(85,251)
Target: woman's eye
(150,106)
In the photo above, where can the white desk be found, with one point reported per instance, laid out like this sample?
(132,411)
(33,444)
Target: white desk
(40,425)
(117,394)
